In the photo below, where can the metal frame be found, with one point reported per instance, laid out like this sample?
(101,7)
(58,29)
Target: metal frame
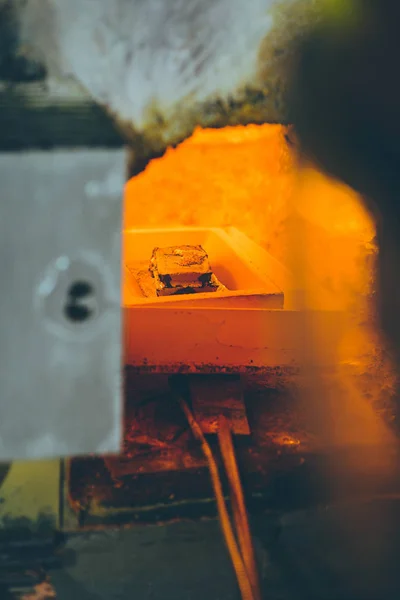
(60,344)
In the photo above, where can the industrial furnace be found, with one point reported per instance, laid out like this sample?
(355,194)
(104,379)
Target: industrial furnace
(246,288)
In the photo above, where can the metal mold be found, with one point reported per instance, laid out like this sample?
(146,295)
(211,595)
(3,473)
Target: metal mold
(248,282)
(234,331)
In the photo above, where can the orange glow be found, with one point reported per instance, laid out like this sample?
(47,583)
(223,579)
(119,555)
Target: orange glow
(246,177)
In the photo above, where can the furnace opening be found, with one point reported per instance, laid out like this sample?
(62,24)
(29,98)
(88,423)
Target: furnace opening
(246,178)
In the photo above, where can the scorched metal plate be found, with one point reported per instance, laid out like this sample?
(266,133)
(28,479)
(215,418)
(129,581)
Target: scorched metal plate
(60,335)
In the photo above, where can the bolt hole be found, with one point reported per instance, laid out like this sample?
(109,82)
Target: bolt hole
(79,303)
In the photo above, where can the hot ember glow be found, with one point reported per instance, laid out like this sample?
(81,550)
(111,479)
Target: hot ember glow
(247,177)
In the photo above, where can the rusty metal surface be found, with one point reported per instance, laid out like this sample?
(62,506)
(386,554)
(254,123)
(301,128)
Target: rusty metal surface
(283,464)
(215,397)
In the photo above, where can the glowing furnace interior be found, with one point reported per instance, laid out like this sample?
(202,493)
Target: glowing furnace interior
(247,177)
